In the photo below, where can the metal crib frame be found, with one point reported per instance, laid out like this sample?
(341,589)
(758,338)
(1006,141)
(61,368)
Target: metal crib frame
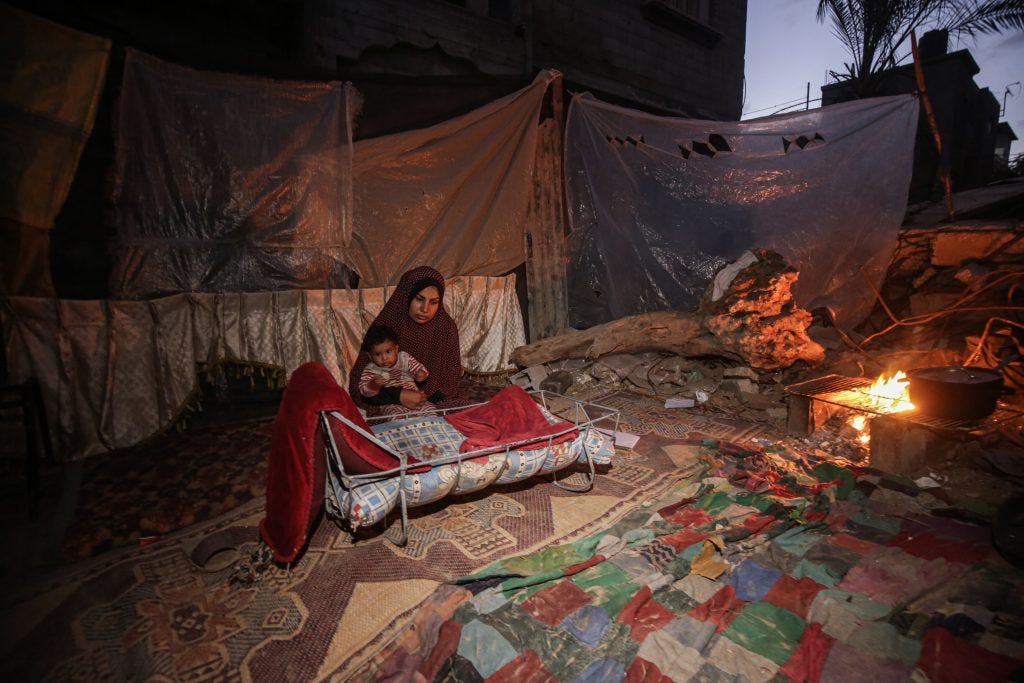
(581,420)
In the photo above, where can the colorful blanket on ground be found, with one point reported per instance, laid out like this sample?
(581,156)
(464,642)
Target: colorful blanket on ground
(764,566)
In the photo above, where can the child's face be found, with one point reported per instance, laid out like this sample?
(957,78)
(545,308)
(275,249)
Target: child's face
(384,354)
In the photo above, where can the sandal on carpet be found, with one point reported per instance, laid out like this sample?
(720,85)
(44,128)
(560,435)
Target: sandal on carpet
(219,551)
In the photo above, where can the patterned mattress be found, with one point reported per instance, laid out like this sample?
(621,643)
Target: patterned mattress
(437,468)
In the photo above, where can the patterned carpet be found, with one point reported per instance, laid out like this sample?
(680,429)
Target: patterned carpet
(171,482)
(646,415)
(151,613)
(698,555)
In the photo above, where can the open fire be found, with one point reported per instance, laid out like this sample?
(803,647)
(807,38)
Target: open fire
(887,394)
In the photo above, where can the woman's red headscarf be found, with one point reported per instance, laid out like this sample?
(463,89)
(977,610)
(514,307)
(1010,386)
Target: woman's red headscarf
(434,343)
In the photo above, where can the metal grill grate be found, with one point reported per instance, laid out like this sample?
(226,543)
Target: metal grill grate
(850,392)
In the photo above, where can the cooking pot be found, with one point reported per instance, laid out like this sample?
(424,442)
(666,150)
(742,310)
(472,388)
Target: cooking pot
(955,392)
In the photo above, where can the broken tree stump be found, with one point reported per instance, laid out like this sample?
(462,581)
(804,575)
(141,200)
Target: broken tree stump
(755,322)
(757,319)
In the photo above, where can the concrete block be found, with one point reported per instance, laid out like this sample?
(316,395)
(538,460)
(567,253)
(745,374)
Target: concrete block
(955,248)
(742,372)
(739,386)
(972,275)
(930,302)
(557,382)
(924,277)
(910,450)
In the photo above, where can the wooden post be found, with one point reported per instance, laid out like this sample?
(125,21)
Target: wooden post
(546,258)
(944,178)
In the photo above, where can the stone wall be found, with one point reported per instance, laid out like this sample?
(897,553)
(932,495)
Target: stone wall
(647,53)
(411,37)
(643,53)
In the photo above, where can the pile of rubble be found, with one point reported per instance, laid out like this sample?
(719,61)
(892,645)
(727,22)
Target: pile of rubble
(953,295)
(708,385)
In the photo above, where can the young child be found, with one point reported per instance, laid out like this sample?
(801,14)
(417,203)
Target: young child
(388,367)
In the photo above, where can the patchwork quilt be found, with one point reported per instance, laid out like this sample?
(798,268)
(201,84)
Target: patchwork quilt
(763,565)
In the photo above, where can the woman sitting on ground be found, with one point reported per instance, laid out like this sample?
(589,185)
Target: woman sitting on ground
(415,311)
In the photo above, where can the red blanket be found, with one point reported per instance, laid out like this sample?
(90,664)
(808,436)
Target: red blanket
(512,415)
(294,489)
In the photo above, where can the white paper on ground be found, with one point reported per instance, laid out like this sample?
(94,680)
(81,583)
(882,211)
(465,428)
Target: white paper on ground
(624,439)
(536,373)
(679,402)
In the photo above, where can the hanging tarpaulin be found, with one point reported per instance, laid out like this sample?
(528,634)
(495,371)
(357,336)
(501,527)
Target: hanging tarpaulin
(455,195)
(52,81)
(658,205)
(227,183)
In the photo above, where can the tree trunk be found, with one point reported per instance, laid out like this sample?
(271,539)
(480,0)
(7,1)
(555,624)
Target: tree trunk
(672,331)
(753,321)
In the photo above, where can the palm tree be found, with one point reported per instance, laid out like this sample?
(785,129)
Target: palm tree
(875,30)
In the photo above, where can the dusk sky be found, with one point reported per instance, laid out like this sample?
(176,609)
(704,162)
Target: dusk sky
(787,48)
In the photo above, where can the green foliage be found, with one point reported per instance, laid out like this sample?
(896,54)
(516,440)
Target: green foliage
(877,32)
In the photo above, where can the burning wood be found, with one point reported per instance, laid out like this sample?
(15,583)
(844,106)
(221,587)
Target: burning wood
(887,394)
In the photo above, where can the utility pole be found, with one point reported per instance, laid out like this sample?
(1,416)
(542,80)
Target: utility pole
(1005,93)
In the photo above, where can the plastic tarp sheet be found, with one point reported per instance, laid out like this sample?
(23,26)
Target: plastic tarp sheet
(113,373)
(658,205)
(455,195)
(52,81)
(227,183)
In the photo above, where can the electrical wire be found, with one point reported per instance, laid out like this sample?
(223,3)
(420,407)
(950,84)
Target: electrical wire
(785,105)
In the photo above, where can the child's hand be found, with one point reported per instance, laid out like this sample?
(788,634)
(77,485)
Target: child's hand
(421,376)
(377,383)
(413,399)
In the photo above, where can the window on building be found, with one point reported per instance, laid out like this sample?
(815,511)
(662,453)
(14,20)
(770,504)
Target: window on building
(693,19)
(1002,154)
(695,9)
(506,10)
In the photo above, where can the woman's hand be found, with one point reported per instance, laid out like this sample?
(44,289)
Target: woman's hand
(412,399)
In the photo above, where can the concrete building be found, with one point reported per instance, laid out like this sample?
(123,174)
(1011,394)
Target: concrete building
(681,57)
(1004,138)
(967,116)
(676,56)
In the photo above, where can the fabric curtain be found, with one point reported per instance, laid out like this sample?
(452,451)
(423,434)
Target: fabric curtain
(455,195)
(658,205)
(52,81)
(114,372)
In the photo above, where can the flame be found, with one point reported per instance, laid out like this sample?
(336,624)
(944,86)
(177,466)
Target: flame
(859,422)
(890,394)
(887,394)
